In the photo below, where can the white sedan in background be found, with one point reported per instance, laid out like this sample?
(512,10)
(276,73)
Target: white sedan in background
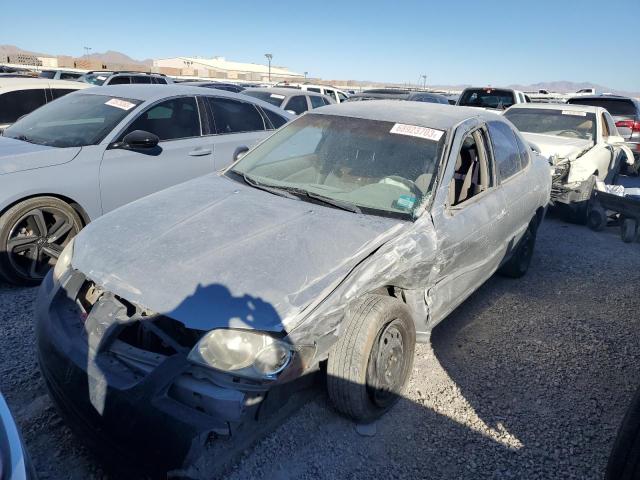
(582,144)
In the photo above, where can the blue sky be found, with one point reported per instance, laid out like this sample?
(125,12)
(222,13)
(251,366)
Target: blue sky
(454,42)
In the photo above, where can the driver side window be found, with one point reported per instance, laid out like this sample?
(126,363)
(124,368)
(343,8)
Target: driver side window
(472,174)
(170,120)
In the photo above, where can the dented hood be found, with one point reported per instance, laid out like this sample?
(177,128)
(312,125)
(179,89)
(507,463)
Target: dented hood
(553,145)
(212,252)
(17,155)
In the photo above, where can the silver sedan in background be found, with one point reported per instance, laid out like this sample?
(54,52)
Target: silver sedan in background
(90,152)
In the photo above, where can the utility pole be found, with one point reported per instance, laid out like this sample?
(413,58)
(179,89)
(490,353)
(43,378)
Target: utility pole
(305,75)
(269,57)
(86,51)
(424,81)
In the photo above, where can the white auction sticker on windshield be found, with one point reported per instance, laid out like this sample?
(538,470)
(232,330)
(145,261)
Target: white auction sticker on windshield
(275,95)
(121,104)
(574,113)
(416,131)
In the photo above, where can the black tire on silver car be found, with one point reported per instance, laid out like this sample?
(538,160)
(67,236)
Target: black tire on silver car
(370,364)
(32,236)
(518,265)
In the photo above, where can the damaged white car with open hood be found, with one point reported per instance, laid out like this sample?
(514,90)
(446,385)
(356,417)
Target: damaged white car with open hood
(333,246)
(582,144)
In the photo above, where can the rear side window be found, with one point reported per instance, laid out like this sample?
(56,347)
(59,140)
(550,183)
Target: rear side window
(276,120)
(69,76)
(317,102)
(314,89)
(140,79)
(297,104)
(613,106)
(15,104)
(170,120)
(47,74)
(120,80)
(232,116)
(159,80)
(523,150)
(505,149)
(60,92)
(342,96)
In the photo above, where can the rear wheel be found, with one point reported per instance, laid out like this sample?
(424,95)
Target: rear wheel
(518,265)
(370,364)
(32,236)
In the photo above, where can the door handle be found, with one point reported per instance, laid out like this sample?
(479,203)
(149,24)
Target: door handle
(199,152)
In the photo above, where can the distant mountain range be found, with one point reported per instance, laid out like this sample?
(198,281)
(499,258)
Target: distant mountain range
(109,56)
(557,86)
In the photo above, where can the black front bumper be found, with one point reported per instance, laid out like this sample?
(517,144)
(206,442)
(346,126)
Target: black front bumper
(140,417)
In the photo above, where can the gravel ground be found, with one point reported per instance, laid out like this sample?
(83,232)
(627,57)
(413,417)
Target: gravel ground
(528,378)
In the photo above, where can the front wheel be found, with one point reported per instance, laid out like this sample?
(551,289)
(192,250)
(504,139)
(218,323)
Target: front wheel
(370,364)
(33,234)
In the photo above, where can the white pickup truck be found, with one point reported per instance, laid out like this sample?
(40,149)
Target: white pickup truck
(491,98)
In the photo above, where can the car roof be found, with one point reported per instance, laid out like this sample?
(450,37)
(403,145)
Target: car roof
(15,83)
(603,97)
(557,106)
(422,114)
(287,92)
(151,93)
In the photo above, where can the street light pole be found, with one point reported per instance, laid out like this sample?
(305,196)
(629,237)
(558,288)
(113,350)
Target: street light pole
(86,51)
(424,81)
(269,57)
(305,75)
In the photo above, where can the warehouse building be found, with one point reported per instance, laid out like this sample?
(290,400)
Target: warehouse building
(221,68)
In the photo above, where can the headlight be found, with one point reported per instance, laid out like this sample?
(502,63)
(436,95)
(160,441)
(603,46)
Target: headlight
(64,261)
(243,352)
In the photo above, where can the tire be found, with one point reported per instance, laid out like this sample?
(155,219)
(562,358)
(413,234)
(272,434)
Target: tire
(379,334)
(597,217)
(624,460)
(629,230)
(518,265)
(578,211)
(32,235)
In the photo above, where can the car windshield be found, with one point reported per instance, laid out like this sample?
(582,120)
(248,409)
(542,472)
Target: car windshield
(272,98)
(563,123)
(487,98)
(95,78)
(377,167)
(74,120)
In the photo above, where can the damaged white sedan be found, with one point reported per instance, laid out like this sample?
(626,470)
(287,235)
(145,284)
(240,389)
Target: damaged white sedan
(582,144)
(334,246)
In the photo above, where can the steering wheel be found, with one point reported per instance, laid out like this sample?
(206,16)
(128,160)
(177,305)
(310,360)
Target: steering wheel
(413,188)
(571,133)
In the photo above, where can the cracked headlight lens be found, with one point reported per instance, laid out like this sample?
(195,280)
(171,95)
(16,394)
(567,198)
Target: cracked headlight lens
(245,353)
(64,261)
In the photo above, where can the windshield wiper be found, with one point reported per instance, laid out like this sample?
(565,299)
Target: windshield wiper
(349,207)
(252,182)
(24,138)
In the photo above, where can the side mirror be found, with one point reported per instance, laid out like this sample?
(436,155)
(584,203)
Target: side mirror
(240,152)
(139,139)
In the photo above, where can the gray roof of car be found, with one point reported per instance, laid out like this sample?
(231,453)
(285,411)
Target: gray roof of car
(151,93)
(422,114)
(287,92)
(556,106)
